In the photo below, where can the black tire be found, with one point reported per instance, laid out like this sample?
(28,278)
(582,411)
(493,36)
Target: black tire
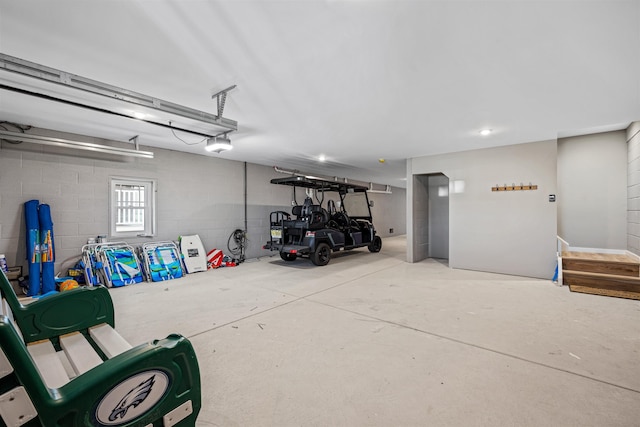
(322,255)
(288,257)
(376,245)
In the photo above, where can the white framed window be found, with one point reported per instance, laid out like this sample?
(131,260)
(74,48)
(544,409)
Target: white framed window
(132,207)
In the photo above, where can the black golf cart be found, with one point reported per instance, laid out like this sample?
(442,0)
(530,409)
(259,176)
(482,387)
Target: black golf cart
(314,231)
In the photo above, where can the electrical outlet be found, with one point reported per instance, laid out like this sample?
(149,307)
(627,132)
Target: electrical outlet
(391,231)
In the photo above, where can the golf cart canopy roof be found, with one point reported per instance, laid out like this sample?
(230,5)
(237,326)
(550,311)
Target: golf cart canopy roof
(320,184)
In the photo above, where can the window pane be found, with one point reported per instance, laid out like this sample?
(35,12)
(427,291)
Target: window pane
(130,207)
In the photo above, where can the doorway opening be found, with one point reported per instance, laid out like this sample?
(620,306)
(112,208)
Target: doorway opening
(431,217)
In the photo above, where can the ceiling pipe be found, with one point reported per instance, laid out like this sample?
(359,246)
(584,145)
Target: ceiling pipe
(77,145)
(288,172)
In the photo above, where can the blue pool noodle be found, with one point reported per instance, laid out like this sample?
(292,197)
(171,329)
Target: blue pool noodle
(33,246)
(47,250)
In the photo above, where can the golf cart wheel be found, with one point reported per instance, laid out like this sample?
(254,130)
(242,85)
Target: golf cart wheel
(288,257)
(376,245)
(322,255)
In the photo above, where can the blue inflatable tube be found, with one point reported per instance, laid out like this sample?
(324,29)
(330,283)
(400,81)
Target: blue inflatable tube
(33,246)
(47,252)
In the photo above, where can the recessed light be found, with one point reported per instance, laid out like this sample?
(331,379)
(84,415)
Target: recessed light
(485,132)
(322,158)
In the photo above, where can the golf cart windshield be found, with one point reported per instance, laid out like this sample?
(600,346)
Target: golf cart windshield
(357,205)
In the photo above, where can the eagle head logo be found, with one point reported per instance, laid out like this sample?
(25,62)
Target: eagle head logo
(133,398)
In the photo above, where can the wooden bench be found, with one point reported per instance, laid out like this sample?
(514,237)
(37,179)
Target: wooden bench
(90,376)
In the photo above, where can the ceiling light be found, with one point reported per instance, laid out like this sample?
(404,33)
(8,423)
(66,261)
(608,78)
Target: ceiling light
(322,158)
(485,132)
(218,144)
(138,115)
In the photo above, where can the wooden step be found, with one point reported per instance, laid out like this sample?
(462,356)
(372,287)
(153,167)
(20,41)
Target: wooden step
(602,284)
(617,264)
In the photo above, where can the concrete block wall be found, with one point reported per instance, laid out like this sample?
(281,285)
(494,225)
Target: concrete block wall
(264,198)
(196,194)
(389,212)
(633,188)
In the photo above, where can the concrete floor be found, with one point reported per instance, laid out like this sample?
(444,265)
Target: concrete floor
(370,340)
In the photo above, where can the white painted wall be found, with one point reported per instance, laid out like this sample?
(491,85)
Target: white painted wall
(503,232)
(592,190)
(633,187)
(196,195)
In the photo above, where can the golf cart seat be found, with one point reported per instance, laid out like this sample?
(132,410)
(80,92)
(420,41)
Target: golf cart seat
(344,222)
(315,216)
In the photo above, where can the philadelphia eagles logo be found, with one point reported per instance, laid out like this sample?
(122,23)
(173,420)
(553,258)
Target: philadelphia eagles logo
(133,398)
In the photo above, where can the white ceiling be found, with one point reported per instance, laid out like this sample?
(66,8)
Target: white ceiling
(354,80)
